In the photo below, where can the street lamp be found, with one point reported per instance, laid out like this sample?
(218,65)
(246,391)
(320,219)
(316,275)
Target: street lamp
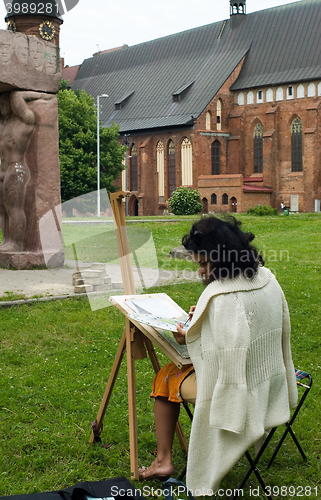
(126,142)
(98,155)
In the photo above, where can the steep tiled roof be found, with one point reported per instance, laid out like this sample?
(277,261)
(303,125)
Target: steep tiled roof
(69,73)
(285,46)
(171,80)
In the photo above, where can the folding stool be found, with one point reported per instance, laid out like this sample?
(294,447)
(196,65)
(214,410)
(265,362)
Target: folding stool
(300,375)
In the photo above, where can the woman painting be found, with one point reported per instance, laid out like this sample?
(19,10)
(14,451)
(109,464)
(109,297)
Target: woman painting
(239,343)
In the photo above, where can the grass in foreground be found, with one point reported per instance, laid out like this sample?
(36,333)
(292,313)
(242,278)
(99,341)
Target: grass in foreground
(56,358)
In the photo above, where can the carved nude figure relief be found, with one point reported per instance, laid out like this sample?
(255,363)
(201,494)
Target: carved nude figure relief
(17,124)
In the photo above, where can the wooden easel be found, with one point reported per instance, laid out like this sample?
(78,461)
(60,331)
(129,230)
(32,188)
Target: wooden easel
(133,341)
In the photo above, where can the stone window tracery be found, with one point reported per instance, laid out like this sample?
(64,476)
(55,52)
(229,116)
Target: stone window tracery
(213,199)
(215,154)
(258,148)
(208,124)
(296,145)
(219,115)
(133,169)
(187,162)
(160,170)
(171,178)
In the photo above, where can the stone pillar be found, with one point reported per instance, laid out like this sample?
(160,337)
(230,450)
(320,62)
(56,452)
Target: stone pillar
(30,76)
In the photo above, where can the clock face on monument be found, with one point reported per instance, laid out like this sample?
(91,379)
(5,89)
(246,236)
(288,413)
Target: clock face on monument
(47,30)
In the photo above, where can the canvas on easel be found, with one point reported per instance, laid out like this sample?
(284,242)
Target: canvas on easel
(137,340)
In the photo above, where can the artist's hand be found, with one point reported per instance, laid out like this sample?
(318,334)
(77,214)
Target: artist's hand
(180,335)
(191,312)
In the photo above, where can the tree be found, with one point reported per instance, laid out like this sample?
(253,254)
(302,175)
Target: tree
(78,146)
(185,201)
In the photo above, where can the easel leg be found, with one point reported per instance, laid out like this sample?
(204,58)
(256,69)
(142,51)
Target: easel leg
(156,365)
(110,384)
(133,441)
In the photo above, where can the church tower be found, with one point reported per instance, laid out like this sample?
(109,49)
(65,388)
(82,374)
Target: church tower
(237,7)
(39,18)
(237,12)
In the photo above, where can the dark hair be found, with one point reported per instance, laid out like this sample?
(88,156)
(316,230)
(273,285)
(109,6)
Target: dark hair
(225,246)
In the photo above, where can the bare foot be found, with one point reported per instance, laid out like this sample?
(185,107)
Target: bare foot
(156,471)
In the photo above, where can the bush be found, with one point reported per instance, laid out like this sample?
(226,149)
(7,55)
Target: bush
(262,210)
(185,201)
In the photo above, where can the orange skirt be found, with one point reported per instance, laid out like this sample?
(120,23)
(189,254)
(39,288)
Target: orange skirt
(168,380)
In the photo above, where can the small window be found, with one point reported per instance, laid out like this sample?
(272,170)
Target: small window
(258,148)
(319,89)
(171,173)
(269,95)
(213,199)
(300,92)
(289,92)
(311,90)
(208,120)
(279,94)
(216,147)
(296,145)
(250,97)
(225,199)
(240,99)
(133,169)
(259,96)
(219,114)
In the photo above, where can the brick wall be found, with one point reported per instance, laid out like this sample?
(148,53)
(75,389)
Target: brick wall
(237,154)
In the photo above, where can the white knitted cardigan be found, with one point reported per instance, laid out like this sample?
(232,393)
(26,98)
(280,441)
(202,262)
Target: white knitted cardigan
(239,343)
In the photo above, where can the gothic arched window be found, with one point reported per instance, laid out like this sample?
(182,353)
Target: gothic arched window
(296,145)
(258,148)
(300,91)
(311,90)
(133,169)
(213,199)
(240,99)
(225,199)
(219,115)
(279,94)
(171,169)
(208,124)
(216,148)
(269,95)
(250,97)
(160,170)
(187,162)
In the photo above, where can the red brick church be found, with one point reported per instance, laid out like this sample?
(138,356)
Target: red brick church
(232,108)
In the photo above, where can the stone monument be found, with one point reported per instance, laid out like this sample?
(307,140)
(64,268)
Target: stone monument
(30,75)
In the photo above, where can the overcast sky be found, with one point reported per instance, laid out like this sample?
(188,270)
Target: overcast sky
(94,25)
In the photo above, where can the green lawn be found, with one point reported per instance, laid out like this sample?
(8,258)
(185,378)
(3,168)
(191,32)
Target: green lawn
(56,358)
